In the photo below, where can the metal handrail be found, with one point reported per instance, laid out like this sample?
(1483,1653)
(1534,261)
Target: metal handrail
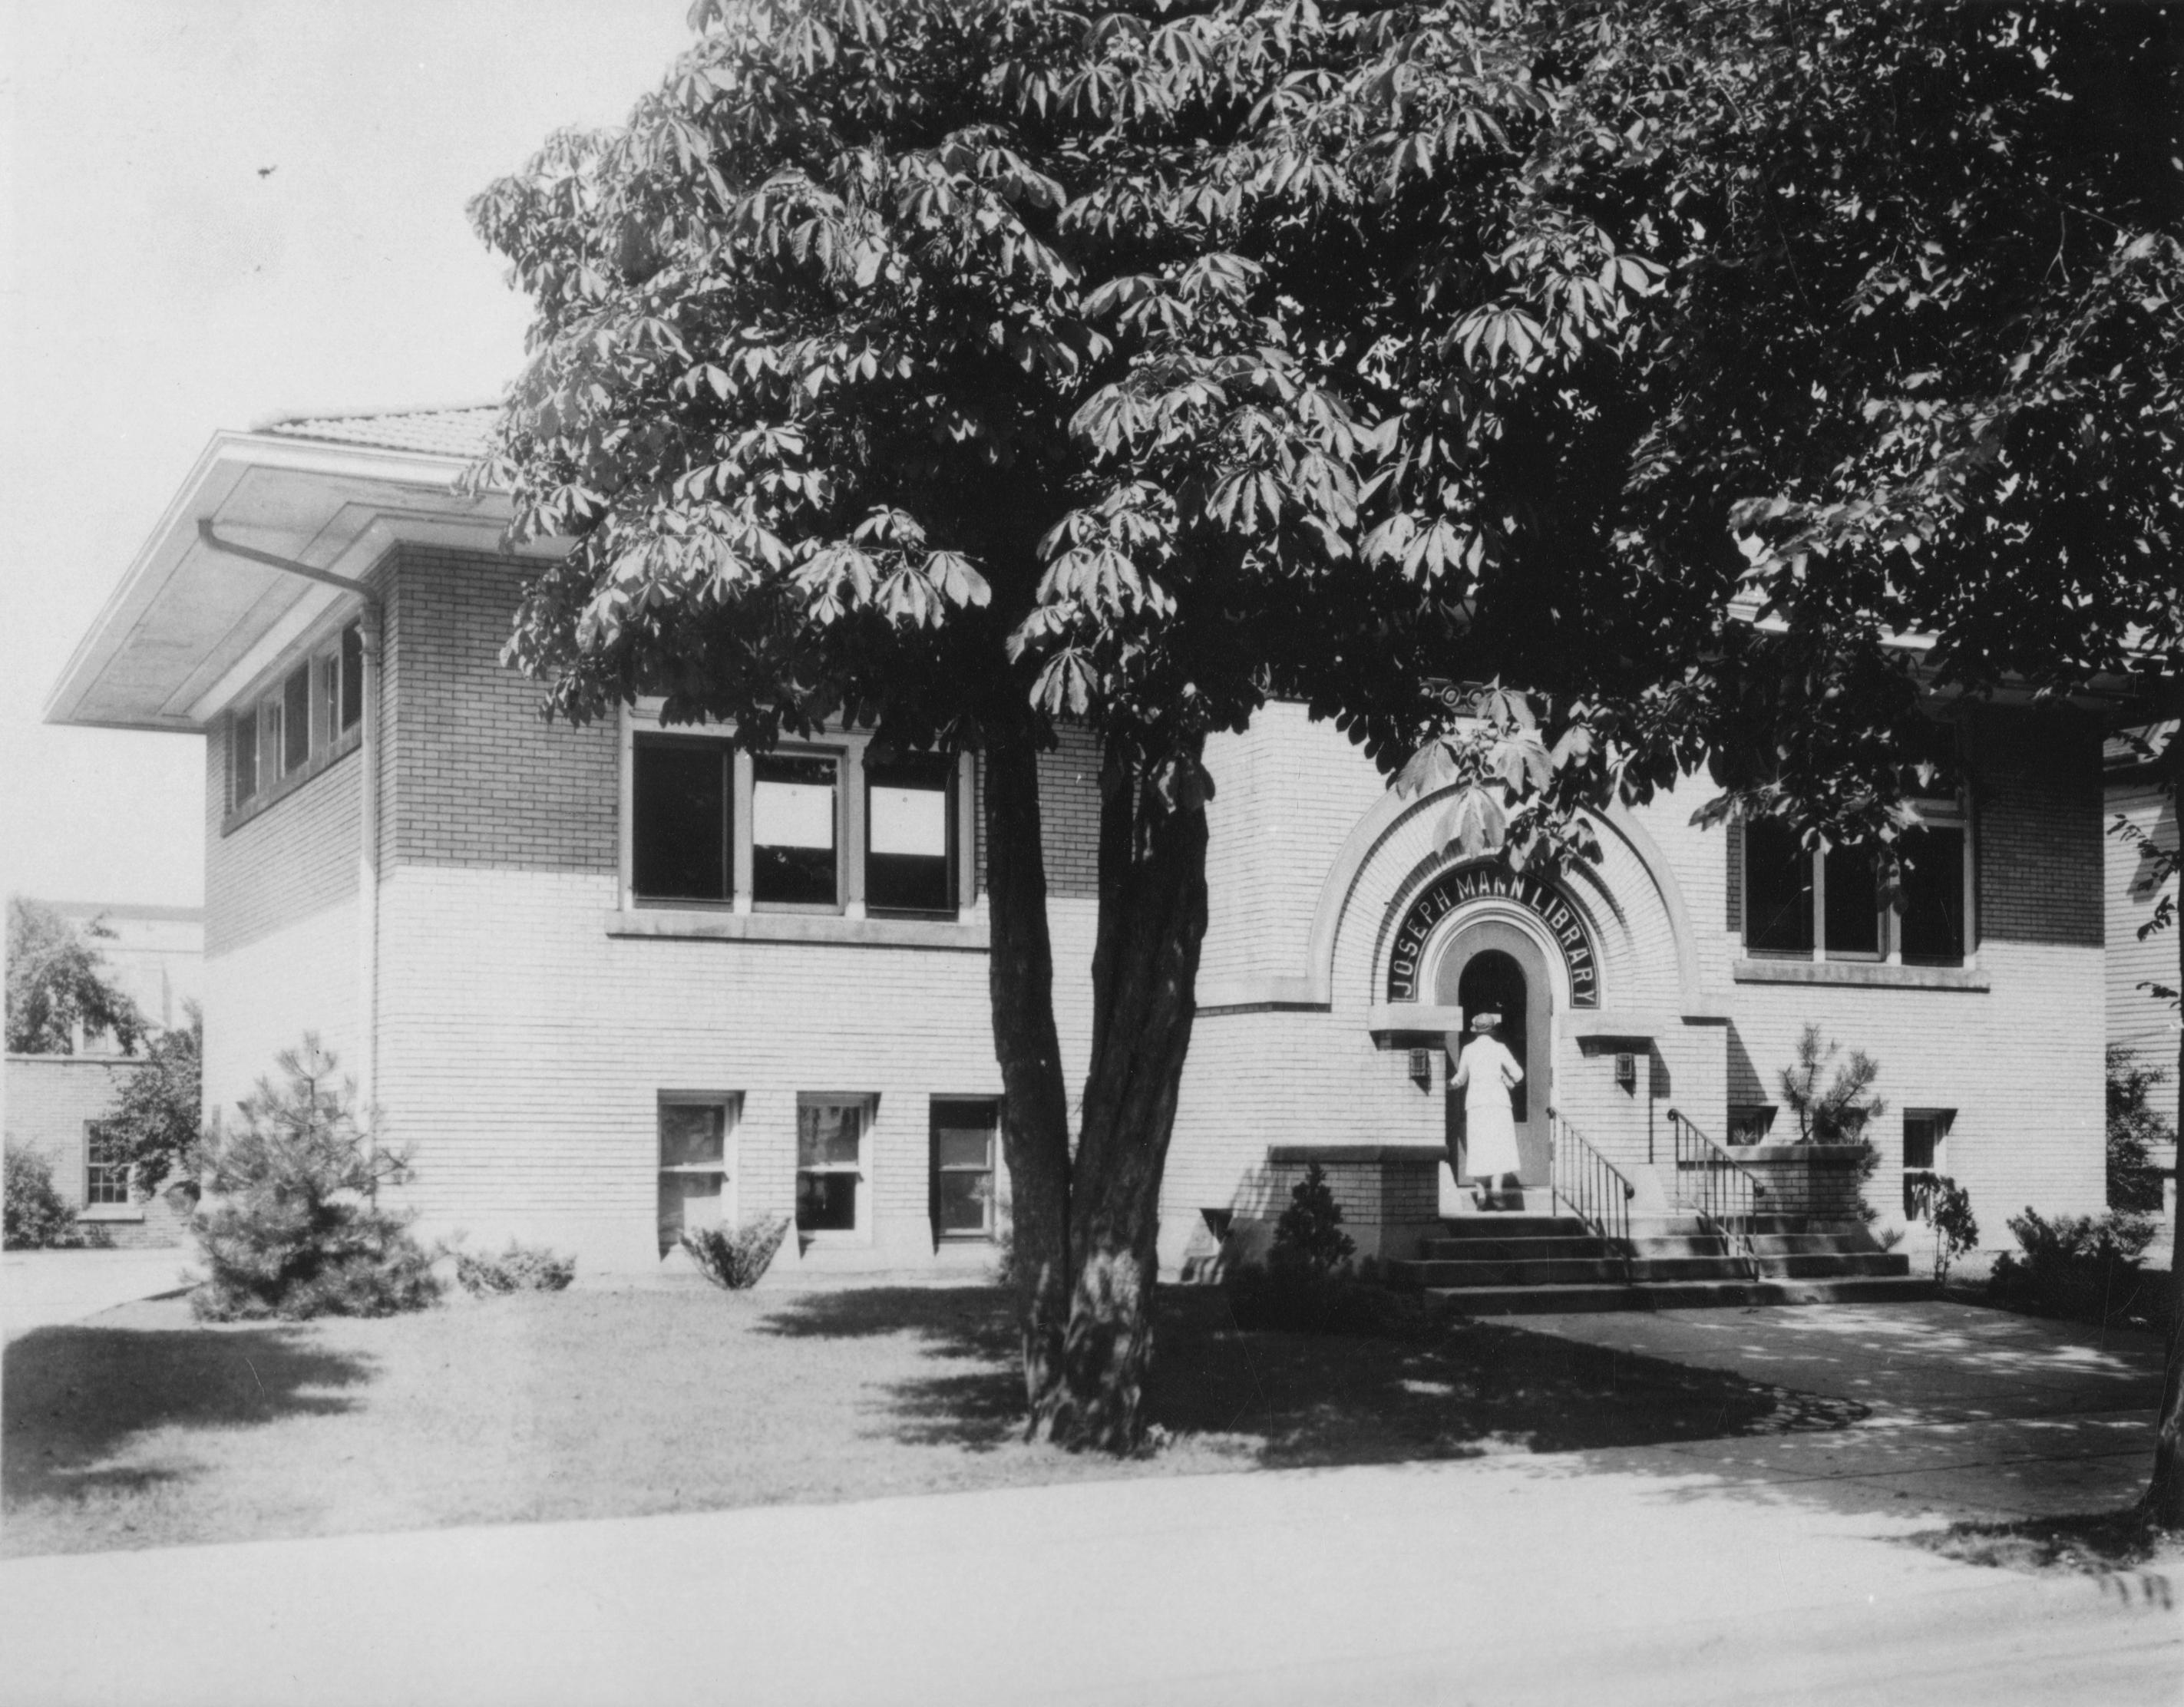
(1717,1187)
(1596,1192)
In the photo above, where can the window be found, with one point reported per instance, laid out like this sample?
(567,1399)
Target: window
(694,1167)
(682,802)
(1749,1123)
(352,676)
(810,830)
(1925,1151)
(965,1134)
(242,755)
(312,707)
(830,1144)
(793,860)
(295,720)
(106,1166)
(1778,890)
(1795,897)
(909,815)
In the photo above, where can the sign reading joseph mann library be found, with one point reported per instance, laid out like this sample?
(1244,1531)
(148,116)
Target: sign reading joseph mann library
(1492,882)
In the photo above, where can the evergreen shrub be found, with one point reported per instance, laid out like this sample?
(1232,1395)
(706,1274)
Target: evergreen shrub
(289,1221)
(519,1268)
(735,1257)
(2084,1267)
(1308,1284)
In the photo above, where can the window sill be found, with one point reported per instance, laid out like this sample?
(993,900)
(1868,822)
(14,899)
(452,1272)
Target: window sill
(1867,974)
(111,1212)
(267,797)
(968,936)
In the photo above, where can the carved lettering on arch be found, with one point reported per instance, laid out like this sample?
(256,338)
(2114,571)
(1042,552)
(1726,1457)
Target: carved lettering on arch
(1452,889)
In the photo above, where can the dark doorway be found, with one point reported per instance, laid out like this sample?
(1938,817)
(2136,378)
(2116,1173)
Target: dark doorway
(1492,982)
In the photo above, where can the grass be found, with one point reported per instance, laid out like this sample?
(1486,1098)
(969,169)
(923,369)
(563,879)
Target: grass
(143,1428)
(2103,1543)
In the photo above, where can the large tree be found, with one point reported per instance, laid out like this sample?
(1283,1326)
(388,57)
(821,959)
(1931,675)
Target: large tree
(1734,378)
(60,991)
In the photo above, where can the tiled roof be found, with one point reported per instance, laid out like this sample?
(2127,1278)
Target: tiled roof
(434,432)
(2119,753)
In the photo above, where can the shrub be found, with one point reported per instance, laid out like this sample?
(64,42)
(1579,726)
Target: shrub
(290,1223)
(2135,1125)
(736,1257)
(1309,1235)
(1947,1207)
(156,1115)
(520,1268)
(2084,1267)
(37,1216)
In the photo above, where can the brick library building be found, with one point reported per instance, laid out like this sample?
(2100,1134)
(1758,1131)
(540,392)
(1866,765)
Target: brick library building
(616,981)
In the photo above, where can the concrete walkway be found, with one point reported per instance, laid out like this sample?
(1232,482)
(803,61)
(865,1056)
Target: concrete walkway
(1772,1568)
(44,1288)
(1959,1411)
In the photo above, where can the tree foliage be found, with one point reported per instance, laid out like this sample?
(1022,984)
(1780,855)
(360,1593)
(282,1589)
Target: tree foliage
(2135,1128)
(59,986)
(1733,380)
(158,1115)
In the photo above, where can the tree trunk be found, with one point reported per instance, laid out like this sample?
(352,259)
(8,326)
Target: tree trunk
(2165,1495)
(1035,1099)
(1144,975)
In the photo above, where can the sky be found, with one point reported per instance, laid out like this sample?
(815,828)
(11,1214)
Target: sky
(213,213)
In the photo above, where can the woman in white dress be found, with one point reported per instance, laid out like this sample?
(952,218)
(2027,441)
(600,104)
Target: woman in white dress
(1486,1072)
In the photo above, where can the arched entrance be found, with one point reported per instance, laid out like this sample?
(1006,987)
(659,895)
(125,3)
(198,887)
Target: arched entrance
(1494,966)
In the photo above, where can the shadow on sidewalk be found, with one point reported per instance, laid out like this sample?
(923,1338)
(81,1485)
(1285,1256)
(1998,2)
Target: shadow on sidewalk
(73,1396)
(1441,1390)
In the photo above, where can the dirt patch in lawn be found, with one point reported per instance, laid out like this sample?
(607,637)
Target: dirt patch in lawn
(143,1428)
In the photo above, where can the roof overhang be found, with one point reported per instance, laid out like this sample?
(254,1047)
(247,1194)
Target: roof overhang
(191,626)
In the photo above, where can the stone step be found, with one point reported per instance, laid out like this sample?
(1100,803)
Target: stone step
(1482,1250)
(1686,1245)
(1542,1271)
(1580,1299)
(1514,1227)
(1806,1244)
(1832,1265)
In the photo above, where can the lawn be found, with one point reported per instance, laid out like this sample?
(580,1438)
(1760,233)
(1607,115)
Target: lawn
(143,1428)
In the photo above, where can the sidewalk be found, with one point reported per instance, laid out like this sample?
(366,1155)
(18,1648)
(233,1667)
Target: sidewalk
(1503,1580)
(43,1288)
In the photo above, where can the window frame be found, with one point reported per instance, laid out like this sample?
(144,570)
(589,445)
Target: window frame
(1944,1122)
(951,780)
(98,1176)
(847,749)
(265,714)
(860,1230)
(1954,815)
(730,1103)
(991,1172)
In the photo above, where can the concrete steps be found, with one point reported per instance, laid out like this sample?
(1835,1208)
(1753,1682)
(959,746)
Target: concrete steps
(1529,1263)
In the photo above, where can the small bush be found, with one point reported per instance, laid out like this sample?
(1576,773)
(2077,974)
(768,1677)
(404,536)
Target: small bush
(2083,1267)
(1947,1207)
(520,1268)
(289,1224)
(736,1257)
(1309,1236)
(1840,1111)
(37,1217)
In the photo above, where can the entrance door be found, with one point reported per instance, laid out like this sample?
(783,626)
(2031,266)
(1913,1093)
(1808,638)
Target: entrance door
(1495,968)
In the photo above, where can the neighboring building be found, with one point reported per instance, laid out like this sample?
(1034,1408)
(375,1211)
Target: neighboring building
(613,980)
(58,1105)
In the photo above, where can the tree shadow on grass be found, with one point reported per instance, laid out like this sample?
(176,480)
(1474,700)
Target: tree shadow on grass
(1425,1389)
(75,1395)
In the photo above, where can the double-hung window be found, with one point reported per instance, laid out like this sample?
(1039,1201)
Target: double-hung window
(793,809)
(830,1163)
(1925,1153)
(965,1137)
(681,838)
(693,1163)
(1802,904)
(105,1166)
(910,839)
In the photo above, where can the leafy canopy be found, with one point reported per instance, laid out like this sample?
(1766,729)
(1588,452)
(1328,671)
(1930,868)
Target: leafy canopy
(59,986)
